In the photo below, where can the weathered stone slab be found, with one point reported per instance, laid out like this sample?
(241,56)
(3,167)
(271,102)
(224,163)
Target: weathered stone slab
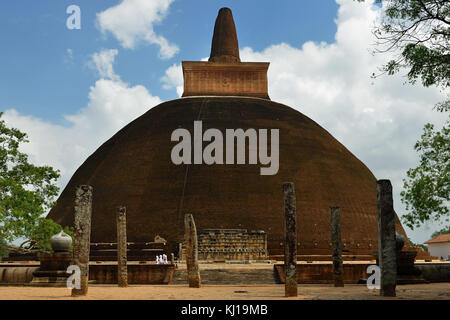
(336,246)
(122,272)
(82,233)
(192,252)
(290,247)
(386,238)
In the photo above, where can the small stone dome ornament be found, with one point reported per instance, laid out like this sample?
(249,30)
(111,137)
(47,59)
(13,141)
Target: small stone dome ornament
(61,242)
(399,241)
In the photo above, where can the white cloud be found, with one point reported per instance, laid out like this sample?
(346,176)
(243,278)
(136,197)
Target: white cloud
(103,62)
(68,57)
(112,104)
(174,79)
(377,120)
(132,21)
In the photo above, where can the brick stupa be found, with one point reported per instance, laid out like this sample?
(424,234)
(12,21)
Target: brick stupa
(134,168)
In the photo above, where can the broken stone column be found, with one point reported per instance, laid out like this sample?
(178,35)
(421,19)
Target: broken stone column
(122,272)
(336,246)
(386,238)
(290,247)
(82,233)
(191,252)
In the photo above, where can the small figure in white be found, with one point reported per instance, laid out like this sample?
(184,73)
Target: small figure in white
(157,260)
(161,259)
(164,258)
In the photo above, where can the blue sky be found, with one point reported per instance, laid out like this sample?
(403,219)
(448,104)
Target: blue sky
(36,60)
(70,90)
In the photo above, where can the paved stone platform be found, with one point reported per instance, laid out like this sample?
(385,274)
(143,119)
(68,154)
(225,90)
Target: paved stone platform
(318,272)
(435,291)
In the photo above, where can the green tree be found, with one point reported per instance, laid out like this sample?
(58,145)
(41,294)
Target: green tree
(417,32)
(3,251)
(26,191)
(427,187)
(423,246)
(442,231)
(46,228)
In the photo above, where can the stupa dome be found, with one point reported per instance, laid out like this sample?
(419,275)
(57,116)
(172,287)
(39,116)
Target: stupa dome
(134,169)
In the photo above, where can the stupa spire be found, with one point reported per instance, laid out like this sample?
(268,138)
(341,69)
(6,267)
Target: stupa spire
(224,74)
(225,47)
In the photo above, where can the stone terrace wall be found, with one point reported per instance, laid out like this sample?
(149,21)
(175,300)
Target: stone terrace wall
(230,244)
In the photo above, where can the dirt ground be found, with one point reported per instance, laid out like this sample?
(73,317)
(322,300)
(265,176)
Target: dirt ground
(436,291)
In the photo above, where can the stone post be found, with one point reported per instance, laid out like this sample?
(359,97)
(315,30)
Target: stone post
(82,233)
(121,222)
(336,246)
(191,252)
(386,238)
(290,246)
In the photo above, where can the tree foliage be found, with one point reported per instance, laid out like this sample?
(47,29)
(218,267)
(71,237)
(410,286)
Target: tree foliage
(418,33)
(26,191)
(423,246)
(46,228)
(427,187)
(442,231)
(3,251)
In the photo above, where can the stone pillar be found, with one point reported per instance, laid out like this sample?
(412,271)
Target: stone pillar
(121,222)
(290,246)
(336,246)
(386,238)
(191,252)
(82,233)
